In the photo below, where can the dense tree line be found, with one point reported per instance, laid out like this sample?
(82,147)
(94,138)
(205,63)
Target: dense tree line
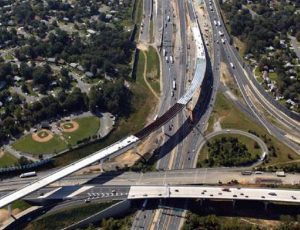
(228,151)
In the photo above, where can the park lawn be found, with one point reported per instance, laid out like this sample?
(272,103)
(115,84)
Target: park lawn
(232,118)
(153,69)
(28,145)
(88,127)
(7,160)
(204,154)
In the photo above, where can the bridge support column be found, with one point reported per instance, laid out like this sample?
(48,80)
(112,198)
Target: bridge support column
(201,202)
(101,165)
(9,209)
(266,205)
(233,203)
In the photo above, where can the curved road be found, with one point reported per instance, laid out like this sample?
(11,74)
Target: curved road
(259,141)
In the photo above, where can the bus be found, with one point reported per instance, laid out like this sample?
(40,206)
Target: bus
(28,174)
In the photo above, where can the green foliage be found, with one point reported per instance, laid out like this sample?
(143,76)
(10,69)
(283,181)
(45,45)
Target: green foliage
(116,224)
(212,222)
(228,151)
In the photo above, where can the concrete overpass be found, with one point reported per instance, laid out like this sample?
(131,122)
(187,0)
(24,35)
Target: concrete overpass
(215,193)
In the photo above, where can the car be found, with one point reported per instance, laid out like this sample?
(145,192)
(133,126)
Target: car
(113,191)
(294,198)
(219,193)
(234,195)
(242,194)
(272,194)
(246,196)
(263,197)
(226,190)
(202,193)
(145,195)
(87,201)
(176,190)
(211,194)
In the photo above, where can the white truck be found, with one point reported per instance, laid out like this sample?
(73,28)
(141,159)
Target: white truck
(168,18)
(219,23)
(28,174)
(223,40)
(215,22)
(167,59)
(171,59)
(231,64)
(174,85)
(221,33)
(164,52)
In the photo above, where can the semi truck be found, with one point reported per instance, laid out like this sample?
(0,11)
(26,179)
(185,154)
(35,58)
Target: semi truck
(28,174)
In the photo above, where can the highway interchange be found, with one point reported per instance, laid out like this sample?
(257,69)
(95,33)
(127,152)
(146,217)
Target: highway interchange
(183,138)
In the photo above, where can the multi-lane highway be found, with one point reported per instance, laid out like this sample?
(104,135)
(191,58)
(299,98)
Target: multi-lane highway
(247,87)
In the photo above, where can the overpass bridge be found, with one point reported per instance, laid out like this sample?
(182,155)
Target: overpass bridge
(138,192)
(128,142)
(215,193)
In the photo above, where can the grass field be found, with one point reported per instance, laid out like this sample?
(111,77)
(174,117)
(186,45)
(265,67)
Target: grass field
(143,104)
(243,139)
(88,126)
(7,160)
(28,145)
(231,117)
(68,216)
(153,69)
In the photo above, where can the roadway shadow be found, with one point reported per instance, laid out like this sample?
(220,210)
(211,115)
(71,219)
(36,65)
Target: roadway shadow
(187,127)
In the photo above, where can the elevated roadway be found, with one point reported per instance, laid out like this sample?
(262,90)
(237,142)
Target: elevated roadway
(215,193)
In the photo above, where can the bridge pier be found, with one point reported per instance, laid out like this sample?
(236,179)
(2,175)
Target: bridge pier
(9,209)
(266,205)
(201,202)
(101,165)
(233,203)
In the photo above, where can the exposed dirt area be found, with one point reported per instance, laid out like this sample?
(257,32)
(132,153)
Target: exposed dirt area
(43,135)
(4,214)
(228,80)
(69,126)
(1,153)
(143,47)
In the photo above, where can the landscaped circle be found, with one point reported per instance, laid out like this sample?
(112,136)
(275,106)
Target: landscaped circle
(42,136)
